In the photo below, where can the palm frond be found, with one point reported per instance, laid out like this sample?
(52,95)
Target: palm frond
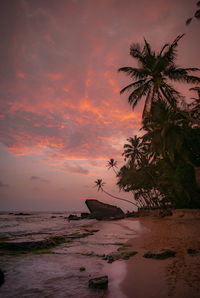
(188,21)
(192,79)
(147,47)
(197,14)
(136,73)
(165,45)
(138,93)
(171,53)
(135,51)
(135,84)
(170,95)
(192,69)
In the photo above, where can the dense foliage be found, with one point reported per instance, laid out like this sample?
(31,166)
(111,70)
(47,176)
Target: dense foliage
(162,167)
(167,156)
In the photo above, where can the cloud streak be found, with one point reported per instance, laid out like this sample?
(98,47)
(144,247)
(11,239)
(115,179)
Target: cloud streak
(60,86)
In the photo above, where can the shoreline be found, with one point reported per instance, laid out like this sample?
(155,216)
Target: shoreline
(174,277)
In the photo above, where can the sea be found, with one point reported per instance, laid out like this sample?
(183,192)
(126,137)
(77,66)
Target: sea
(57,272)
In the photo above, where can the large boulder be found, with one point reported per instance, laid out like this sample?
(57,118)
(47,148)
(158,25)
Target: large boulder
(104,211)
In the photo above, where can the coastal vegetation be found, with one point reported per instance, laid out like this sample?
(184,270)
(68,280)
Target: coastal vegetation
(162,166)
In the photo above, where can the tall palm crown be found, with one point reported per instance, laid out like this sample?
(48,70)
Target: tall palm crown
(112,164)
(99,184)
(133,151)
(154,72)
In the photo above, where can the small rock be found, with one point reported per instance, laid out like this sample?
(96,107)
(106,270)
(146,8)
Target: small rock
(192,252)
(82,269)
(73,217)
(99,282)
(119,256)
(160,255)
(2,279)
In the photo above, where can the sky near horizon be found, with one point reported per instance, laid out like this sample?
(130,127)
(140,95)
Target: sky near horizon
(61,115)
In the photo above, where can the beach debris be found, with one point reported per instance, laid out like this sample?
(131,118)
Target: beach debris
(160,255)
(2,278)
(102,211)
(73,217)
(192,252)
(119,256)
(82,269)
(98,282)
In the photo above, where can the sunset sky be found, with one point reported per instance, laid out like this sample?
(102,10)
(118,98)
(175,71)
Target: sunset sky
(61,115)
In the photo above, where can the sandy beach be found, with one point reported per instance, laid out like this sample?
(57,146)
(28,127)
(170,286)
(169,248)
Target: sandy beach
(177,277)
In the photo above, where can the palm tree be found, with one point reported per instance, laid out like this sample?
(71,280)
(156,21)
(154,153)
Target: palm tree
(150,80)
(134,150)
(112,164)
(166,131)
(196,14)
(99,184)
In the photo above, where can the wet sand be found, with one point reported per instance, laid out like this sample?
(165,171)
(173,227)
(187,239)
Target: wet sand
(177,277)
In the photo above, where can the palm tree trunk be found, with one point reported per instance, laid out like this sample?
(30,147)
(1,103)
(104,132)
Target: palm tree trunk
(119,198)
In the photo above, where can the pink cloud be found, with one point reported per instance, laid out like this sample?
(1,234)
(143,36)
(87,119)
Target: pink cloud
(64,97)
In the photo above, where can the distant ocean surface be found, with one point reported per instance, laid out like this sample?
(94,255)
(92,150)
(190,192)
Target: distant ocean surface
(57,274)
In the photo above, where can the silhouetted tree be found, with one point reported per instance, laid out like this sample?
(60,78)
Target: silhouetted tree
(99,184)
(112,164)
(154,72)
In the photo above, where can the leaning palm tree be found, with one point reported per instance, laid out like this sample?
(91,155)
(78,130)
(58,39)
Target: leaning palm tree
(151,79)
(112,164)
(99,184)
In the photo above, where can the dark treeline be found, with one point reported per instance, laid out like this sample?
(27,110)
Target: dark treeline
(161,166)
